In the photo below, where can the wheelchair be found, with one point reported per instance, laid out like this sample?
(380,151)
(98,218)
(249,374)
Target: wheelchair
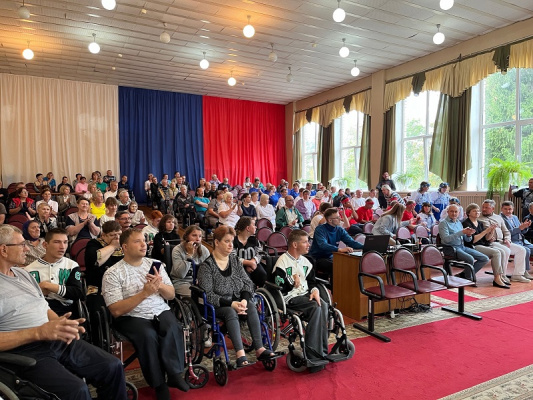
(111,340)
(268,319)
(294,328)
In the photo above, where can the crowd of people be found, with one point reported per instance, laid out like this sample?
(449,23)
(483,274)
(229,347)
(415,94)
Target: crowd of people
(41,286)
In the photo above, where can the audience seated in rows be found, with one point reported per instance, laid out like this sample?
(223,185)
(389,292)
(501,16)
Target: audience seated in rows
(249,250)
(45,220)
(167,232)
(22,204)
(34,242)
(46,197)
(82,224)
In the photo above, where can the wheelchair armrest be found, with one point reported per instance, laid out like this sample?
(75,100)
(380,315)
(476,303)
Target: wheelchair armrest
(375,277)
(270,285)
(16,359)
(322,281)
(197,289)
(271,248)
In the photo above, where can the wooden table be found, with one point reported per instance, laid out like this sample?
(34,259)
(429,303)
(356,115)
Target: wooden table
(350,301)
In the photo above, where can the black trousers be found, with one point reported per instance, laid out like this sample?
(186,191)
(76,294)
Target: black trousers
(324,267)
(60,366)
(159,345)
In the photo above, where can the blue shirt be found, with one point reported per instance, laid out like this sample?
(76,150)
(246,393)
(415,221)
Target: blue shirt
(326,241)
(451,233)
(274,199)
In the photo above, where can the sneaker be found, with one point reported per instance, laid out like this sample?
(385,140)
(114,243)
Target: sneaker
(519,278)
(527,275)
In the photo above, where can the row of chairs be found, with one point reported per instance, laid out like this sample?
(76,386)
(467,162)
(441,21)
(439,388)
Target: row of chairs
(405,278)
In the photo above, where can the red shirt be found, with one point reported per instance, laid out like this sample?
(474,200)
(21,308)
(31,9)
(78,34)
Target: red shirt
(364,213)
(407,216)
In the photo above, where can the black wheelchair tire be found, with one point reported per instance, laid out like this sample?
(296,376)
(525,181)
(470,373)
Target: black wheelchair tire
(220,371)
(131,391)
(296,361)
(203,376)
(272,318)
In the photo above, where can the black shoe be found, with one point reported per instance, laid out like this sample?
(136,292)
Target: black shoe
(500,286)
(178,382)
(461,275)
(318,368)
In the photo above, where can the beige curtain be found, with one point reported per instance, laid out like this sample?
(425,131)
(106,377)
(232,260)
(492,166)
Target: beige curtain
(521,55)
(361,102)
(55,125)
(297,155)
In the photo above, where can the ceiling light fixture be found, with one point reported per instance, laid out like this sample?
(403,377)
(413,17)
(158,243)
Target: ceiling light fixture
(290,78)
(164,37)
(28,53)
(355,71)
(339,14)
(446,4)
(438,38)
(23,11)
(248,31)
(109,4)
(272,56)
(93,46)
(232,81)
(204,64)
(344,51)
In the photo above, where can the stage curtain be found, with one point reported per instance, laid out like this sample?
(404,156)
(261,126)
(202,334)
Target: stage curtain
(59,126)
(160,132)
(244,138)
(450,149)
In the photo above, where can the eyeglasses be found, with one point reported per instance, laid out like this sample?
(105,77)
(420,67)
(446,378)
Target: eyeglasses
(23,244)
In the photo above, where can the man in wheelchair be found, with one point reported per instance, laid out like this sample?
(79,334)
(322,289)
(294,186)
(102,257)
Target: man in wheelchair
(295,274)
(135,290)
(28,327)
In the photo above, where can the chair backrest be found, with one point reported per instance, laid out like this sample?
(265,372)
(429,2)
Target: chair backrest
(435,230)
(16,224)
(404,259)
(378,212)
(421,232)
(432,256)
(18,218)
(278,241)
(261,223)
(403,233)
(306,228)
(71,210)
(373,263)
(375,216)
(80,259)
(360,238)
(77,246)
(139,226)
(30,188)
(262,234)
(367,228)
(12,187)
(286,230)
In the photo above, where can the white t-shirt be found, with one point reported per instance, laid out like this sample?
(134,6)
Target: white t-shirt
(232,218)
(53,205)
(123,281)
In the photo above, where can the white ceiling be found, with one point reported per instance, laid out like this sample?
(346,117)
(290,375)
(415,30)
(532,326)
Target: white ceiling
(380,34)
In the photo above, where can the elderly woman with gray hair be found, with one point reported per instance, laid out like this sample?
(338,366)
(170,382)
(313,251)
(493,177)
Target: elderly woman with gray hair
(229,212)
(265,210)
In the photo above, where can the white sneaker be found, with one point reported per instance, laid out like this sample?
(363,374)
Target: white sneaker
(519,278)
(527,275)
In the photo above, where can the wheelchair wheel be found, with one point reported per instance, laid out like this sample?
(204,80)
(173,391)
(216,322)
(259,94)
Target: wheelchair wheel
(6,393)
(271,317)
(83,312)
(296,361)
(220,370)
(131,391)
(200,379)
(103,335)
(347,348)
(197,329)
(270,365)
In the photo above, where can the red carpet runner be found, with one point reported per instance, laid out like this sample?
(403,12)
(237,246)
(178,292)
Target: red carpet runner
(422,362)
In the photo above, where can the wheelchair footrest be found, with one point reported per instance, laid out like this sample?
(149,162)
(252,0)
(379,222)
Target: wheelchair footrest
(336,357)
(316,363)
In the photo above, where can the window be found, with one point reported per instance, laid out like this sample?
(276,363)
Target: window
(350,126)
(506,113)
(415,118)
(310,152)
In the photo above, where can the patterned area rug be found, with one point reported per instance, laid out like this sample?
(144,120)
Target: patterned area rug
(515,385)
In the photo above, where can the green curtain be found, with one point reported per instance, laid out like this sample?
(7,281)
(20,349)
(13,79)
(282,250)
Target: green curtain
(388,148)
(501,57)
(297,155)
(418,82)
(450,149)
(326,154)
(364,159)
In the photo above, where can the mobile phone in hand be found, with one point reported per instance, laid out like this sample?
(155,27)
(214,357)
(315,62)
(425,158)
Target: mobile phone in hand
(155,266)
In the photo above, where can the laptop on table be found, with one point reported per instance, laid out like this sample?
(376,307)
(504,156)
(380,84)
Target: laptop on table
(379,243)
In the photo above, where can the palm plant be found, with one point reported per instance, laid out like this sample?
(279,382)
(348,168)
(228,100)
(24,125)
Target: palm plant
(502,171)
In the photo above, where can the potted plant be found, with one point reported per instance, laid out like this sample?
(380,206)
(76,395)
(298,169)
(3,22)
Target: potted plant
(404,180)
(501,172)
(339,182)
